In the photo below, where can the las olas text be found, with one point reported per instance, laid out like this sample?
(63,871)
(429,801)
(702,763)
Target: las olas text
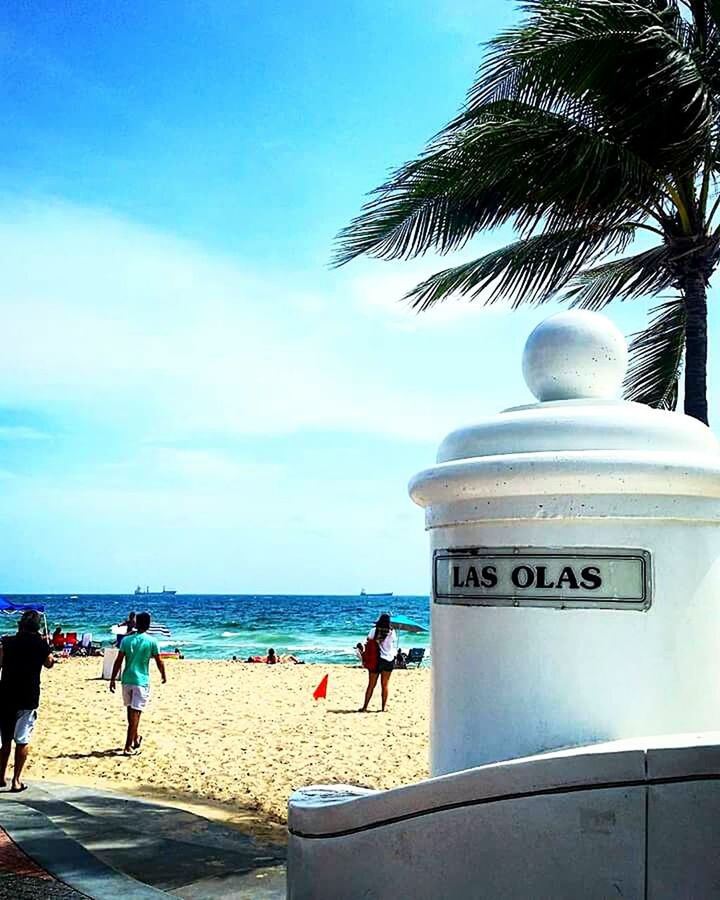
(526,576)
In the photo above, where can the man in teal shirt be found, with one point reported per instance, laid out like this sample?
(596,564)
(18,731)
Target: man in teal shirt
(136,650)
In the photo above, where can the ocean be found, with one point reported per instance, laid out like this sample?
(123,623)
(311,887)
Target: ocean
(319,629)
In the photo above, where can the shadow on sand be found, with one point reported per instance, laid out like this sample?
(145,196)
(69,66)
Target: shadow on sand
(93,754)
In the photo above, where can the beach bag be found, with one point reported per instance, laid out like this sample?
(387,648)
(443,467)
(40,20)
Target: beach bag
(371,654)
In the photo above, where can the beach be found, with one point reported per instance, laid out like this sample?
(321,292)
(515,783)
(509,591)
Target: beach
(235,737)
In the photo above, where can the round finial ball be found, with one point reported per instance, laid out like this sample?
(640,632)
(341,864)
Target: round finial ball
(575,354)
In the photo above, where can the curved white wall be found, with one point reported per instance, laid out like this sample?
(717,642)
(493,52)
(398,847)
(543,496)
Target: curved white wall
(510,682)
(628,819)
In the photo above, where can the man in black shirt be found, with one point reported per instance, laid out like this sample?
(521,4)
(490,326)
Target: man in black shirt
(21,659)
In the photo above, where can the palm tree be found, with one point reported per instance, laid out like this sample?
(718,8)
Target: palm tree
(590,123)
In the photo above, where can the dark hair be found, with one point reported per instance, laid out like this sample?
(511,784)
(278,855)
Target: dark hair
(131,615)
(30,621)
(271,652)
(382,627)
(143,621)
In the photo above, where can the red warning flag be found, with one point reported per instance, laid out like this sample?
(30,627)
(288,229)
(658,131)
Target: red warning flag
(320,692)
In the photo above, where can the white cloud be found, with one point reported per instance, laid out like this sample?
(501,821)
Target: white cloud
(379,290)
(21,433)
(209,467)
(115,323)
(118,323)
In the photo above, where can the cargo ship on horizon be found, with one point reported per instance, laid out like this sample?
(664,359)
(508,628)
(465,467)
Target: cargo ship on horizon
(139,592)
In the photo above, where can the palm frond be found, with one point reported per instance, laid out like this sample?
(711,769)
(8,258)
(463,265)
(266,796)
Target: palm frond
(656,356)
(710,58)
(435,202)
(630,62)
(588,112)
(528,271)
(564,46)
(514,163)
(713,10)
(622,279)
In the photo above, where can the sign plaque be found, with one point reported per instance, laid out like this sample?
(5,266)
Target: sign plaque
(562,578)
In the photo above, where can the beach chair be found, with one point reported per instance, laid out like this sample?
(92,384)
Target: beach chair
(416,656)
(71,638)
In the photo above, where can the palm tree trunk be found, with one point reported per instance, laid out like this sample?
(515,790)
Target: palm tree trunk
(695,295)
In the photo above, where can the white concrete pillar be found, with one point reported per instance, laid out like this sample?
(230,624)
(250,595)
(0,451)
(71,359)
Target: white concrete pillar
(575,563)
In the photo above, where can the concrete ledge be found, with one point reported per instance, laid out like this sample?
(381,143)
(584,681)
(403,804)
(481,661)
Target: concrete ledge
(681,757)
(327,810)
(629,818)
(336,809)
(574,472)
(67,860)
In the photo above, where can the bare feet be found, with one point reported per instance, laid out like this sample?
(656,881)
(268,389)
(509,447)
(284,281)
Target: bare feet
(138,742)
(18,787)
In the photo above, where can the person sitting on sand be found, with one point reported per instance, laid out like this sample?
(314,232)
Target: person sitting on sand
(178,654)
(359,652)
(272,659)
(22,658)
(138,649)
(58,638)
(401,660)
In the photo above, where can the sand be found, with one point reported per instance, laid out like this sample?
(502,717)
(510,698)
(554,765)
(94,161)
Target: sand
(232,736)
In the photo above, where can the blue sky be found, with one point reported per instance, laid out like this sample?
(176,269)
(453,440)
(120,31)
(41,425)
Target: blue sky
(188,394)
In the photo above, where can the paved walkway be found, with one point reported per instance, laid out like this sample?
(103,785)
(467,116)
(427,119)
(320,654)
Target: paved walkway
(22,879)
(107,845)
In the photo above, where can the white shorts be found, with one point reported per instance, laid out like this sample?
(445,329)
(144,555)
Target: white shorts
(26,719)
(135,696)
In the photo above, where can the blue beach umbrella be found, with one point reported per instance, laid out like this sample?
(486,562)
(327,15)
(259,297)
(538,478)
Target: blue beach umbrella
(402,623)
(8,608)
